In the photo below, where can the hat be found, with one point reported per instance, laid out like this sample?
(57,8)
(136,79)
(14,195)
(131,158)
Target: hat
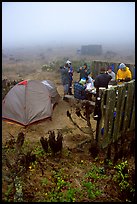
(68,62)
(82,81)
(122,65)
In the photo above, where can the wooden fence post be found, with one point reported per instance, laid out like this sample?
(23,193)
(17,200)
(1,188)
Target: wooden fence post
(109,116)
(128,107)
(101,121)
(121,89)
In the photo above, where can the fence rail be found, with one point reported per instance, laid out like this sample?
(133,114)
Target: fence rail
(117,113)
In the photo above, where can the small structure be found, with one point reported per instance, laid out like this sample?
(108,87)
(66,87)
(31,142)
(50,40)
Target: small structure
(91,50)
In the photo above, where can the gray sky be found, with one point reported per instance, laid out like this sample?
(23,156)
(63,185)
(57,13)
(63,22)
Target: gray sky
(68,22)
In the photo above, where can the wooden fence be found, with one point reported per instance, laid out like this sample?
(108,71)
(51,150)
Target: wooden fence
(117,113)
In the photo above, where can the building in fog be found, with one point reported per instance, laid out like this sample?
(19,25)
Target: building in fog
(91,50)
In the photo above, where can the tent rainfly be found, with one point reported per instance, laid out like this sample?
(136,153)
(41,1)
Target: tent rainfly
(30,101)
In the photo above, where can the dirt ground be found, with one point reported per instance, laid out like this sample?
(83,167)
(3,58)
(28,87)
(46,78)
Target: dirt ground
(59,117)
(48,184)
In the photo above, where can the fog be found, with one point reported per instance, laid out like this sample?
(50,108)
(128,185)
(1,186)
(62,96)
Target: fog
(68,23)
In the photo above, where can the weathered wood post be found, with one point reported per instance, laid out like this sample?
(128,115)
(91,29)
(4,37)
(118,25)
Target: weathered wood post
(97,111)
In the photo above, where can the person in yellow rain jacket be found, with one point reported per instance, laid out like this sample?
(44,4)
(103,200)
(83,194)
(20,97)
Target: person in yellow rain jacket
(123,74)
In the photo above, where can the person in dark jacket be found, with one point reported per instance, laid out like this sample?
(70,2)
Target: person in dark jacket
(84,71)
(71,76)
(102,79)
(65,78)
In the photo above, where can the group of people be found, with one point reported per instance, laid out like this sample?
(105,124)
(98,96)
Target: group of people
(67,76)
(109,77)
(103,79)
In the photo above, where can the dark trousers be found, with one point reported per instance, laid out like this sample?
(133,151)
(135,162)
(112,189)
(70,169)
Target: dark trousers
(70,87)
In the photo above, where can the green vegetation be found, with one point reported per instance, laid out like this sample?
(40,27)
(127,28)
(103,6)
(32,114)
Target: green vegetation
(47,67)
(39,152)
(122,178)
(8,192)
(70,177)
(91,190)
(122,175)
(63,189)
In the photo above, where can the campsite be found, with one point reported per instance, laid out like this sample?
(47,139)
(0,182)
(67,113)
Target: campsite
(72,176)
